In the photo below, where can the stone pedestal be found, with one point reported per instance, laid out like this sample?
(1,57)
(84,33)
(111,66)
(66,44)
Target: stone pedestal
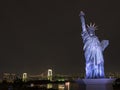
(98,84)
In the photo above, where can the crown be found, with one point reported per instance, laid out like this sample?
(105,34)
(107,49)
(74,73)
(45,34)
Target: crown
(92,27)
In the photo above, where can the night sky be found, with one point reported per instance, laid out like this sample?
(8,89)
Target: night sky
(39,34)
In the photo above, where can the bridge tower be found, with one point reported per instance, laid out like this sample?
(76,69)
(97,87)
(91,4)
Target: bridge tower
(49,76)
(24,77)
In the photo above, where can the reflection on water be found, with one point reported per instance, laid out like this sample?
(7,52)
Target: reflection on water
(49,86)
(64,86)
(61,86)
(67,84)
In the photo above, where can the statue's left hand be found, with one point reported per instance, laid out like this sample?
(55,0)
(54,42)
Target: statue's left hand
(104,44)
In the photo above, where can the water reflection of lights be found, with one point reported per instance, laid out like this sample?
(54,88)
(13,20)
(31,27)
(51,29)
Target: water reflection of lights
(61,86)
(67,84)
(49,86)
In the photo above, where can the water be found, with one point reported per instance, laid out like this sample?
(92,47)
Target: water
(67,86)
(92,84)
(87,84)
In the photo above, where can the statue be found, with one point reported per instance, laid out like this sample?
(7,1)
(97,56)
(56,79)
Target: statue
(93,50)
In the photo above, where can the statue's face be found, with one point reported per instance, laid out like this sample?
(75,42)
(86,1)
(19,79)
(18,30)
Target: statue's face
(91,32)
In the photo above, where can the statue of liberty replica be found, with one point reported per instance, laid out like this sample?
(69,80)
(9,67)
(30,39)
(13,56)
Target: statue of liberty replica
(93,50)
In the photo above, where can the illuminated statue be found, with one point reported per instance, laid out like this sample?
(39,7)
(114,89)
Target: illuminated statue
(93,50)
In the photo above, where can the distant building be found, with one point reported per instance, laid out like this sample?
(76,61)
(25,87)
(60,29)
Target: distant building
(9,77)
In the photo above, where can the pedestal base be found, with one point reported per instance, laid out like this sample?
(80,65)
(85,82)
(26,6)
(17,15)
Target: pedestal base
(98,84)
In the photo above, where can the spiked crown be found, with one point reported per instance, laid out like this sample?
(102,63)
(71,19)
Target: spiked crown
(92,27)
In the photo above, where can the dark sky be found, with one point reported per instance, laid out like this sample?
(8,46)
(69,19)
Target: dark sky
(39,34)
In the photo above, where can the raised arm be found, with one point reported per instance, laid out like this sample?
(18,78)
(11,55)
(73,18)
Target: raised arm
(82,21)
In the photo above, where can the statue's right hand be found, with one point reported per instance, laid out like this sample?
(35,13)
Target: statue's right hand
(81,13)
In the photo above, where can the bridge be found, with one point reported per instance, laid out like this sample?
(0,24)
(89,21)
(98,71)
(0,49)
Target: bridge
(47,75)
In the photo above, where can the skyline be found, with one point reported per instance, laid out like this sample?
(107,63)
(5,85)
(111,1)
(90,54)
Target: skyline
(37,35)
